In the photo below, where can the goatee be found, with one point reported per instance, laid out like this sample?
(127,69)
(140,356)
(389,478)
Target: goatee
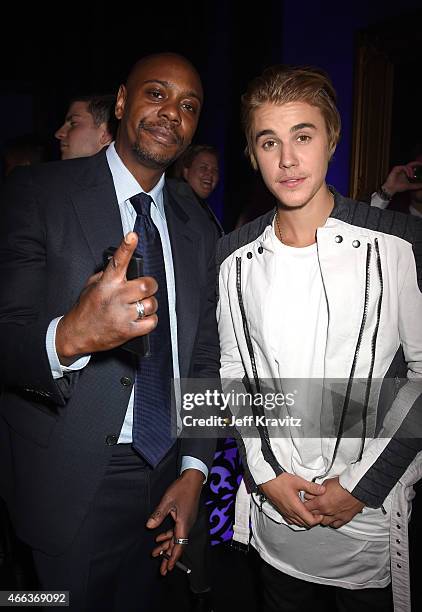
(153,159)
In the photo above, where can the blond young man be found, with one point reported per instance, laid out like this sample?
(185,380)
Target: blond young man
(322,297)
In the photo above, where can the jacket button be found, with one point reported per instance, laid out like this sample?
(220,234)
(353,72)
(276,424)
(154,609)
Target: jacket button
(356,244)
(111,440)
(126,381)
(249,255)
(260,250)
(338,239)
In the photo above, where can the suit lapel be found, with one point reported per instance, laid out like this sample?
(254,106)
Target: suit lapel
(185,248)
(97,208)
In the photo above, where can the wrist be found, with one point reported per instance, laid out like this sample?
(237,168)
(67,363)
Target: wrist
(194,476)
(66,350)
(385,193)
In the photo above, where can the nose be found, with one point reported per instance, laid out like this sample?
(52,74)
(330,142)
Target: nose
(61,132)
(170,110)
(287,156)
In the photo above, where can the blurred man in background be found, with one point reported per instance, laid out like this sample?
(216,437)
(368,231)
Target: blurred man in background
(89,126)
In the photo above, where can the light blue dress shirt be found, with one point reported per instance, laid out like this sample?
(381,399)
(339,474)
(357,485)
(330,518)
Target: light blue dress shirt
(127,186)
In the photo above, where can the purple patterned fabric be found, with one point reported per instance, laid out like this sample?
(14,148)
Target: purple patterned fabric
(226,474)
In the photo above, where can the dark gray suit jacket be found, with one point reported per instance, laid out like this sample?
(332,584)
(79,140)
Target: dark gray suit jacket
(56,221)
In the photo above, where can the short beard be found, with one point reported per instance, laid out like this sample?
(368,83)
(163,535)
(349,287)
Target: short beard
(152,160)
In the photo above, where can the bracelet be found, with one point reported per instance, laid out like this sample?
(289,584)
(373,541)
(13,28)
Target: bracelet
(384,195)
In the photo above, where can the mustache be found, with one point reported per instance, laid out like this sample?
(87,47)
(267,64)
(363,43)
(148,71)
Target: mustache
(145,125)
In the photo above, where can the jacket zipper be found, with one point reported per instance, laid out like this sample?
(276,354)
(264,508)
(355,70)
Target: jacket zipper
(373,348)
(245,323)
(263,431)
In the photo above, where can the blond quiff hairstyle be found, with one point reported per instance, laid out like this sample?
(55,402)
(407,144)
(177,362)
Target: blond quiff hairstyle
(282,84)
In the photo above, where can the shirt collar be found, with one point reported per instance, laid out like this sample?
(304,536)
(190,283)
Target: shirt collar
(126,184)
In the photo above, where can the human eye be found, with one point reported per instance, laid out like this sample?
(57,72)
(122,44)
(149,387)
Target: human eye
(269,144)
(191,108)
(155,93)
(303,138)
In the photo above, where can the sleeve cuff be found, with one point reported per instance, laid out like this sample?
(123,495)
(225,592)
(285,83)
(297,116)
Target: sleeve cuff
(57,369)
(194,463)
(378,202)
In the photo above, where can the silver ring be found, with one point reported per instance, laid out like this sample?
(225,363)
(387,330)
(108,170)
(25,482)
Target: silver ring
(140,309)
(182,541)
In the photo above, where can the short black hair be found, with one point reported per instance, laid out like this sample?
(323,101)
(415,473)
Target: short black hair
(101,107)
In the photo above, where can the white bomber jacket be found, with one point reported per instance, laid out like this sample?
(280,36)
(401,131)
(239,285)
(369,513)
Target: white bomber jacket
(371,267)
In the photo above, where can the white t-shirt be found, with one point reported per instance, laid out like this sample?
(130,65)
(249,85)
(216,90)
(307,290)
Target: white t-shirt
(298,311)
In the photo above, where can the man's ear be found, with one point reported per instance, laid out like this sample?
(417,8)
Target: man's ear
(185,173)
(106,138)
(120,102)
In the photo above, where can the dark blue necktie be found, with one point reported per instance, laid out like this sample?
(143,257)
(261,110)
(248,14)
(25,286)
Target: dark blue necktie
(151,432)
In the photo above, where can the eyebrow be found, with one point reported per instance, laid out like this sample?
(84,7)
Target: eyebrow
(189,94)
(293,129)
(301,126)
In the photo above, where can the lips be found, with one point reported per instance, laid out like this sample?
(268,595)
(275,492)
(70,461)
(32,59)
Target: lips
(292,181)
(162,134)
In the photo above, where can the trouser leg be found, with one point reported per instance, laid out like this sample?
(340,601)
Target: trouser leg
(364,600)
(109,565)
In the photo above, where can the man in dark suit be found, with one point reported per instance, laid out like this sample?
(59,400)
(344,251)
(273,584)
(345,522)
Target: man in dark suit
(74,405)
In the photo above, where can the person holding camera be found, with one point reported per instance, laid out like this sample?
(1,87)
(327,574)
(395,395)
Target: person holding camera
(402,189)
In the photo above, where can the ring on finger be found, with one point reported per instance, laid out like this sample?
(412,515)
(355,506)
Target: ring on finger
(182,541)
(140,309)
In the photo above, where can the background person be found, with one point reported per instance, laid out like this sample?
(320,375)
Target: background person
(89,126)
(402,190)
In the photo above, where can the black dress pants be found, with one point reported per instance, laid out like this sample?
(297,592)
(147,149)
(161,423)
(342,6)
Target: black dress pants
(196,554)
(283,593)
(109,565)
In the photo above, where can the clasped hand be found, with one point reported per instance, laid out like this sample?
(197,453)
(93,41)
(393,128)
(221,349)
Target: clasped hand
(337,505)
(324,504)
